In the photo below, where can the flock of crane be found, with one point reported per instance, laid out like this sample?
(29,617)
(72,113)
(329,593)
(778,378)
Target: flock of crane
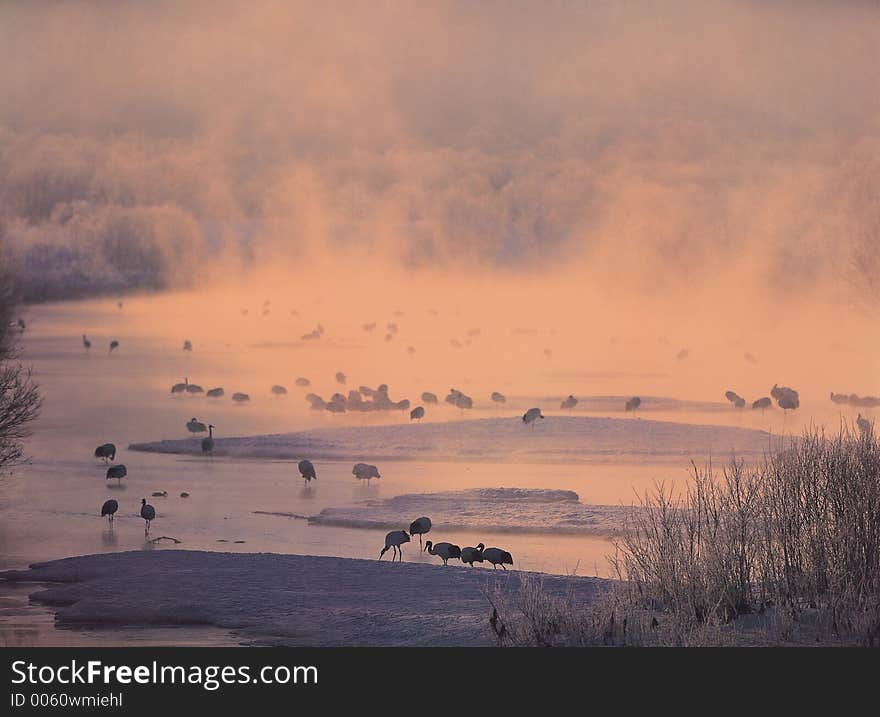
(107,453)
(362,471)
(365,398)
(420,526)
(787,399)
(87,344)
(396,539)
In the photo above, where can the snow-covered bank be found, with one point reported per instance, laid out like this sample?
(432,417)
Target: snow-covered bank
(490,510)
(559,439)
(283,599)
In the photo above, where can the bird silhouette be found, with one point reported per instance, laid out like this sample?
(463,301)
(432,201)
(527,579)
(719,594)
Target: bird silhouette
(395,539)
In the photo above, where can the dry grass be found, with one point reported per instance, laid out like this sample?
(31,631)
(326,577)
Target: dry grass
(783,552)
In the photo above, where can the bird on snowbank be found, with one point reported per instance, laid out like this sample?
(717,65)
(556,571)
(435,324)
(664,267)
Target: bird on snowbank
(497,557)
(472,555)
(446,551)
(532,415)
(395,539)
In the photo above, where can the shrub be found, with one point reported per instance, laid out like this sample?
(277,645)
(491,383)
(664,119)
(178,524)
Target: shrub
(784,551)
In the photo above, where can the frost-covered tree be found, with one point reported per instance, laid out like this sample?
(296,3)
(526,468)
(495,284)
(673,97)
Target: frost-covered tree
(19,398)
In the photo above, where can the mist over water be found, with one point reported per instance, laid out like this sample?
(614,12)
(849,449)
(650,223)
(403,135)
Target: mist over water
(700,152)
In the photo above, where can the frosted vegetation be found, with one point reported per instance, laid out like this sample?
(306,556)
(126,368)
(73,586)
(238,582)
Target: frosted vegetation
(784,552)
(19,399)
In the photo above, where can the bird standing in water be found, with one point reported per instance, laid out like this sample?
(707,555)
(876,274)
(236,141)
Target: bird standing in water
(208,443)
(148,513)
(307,471)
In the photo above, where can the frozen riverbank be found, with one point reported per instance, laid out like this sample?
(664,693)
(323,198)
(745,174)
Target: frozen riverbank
(557,439)
(489,510)
(282,599)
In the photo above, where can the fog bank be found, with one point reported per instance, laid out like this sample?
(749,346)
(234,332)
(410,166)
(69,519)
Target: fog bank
(647,148)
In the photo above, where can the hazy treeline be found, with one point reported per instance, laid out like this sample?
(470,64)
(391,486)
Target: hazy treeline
(650,144)
(19,399)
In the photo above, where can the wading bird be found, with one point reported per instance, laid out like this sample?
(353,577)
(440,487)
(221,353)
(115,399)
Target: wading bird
(106,452)
(180,387)
(307,471)
(118,472)
(420,527)
(472,555)
(569,403)
(633,404)
(497,557)
(113,345)
(279,390)
(459,399)
(194,388)
(498,397)
(532,415)
(762,403)
(364,471)
(340,377)
(395,539)
(109,509)
(428,397)
(735,398)
(215,393)
(208,442)
(446,551)
(240,397)
(195,426)
(787,398)
(86,343)
(148,513)
(187,345)
(417,414)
